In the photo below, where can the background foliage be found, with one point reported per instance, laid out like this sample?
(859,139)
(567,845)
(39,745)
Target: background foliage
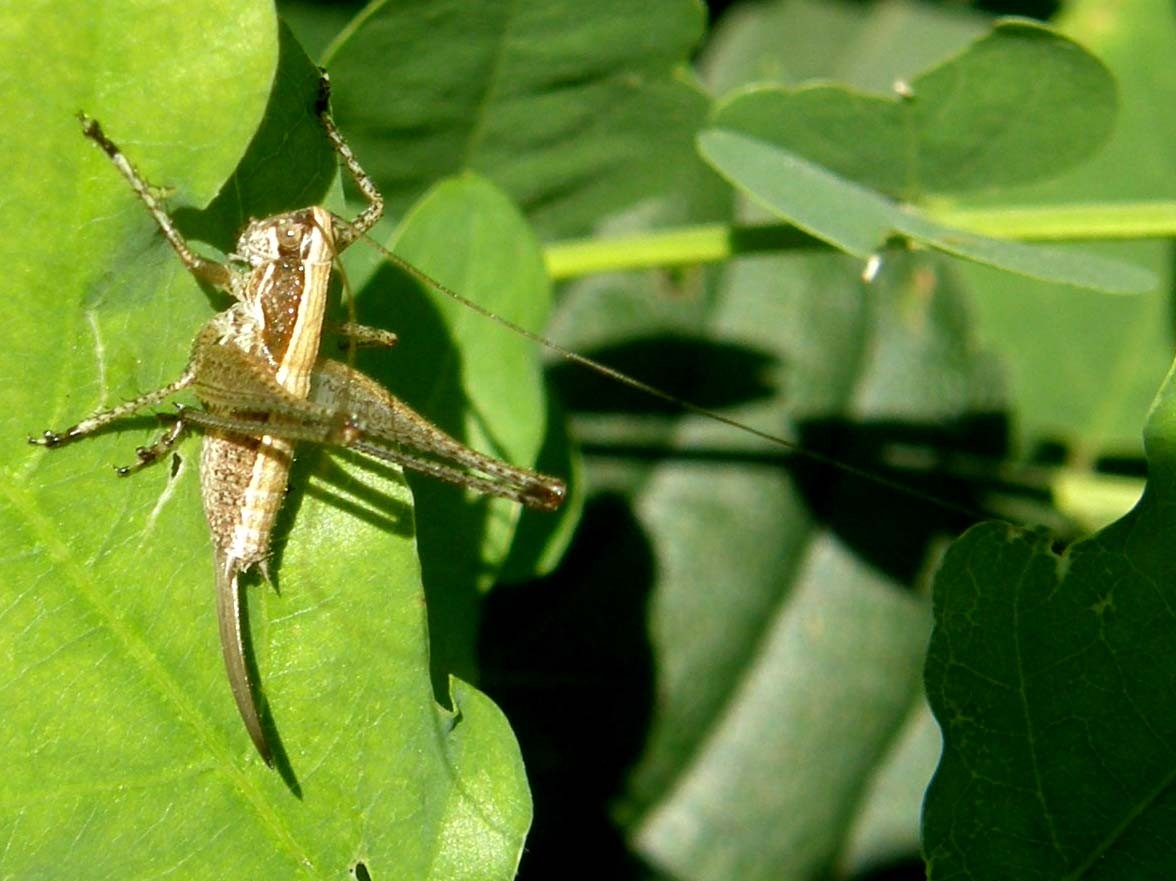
(723,675)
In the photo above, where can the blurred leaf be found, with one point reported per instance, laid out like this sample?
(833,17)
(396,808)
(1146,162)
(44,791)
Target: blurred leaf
(119,724)
(760,578)
(964,122)
(317,22)
(885,828)
(864,46)
(1085,368)
(576,110)
(822,156)
(752,728)
(1050,675)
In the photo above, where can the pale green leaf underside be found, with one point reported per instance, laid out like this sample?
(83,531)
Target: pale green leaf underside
(861,221)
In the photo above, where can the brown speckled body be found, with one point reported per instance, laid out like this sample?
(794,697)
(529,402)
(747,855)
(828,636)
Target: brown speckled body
(278,323)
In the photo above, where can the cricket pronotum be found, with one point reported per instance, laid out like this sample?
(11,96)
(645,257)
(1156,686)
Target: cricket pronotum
(257,370)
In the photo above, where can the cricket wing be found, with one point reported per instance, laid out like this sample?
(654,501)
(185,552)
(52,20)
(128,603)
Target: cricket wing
(228,613)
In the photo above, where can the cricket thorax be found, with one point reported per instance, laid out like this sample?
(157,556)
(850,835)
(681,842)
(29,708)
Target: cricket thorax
(290,263)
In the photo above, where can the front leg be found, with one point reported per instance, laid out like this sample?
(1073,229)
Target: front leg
(103,418)
(206,270)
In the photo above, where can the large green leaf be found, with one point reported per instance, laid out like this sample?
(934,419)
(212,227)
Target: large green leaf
(574,109)
(1050,674)
(119,725)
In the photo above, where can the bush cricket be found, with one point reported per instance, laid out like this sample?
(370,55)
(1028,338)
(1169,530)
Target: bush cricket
(257,370)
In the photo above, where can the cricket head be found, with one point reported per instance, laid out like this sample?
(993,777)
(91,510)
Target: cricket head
(286,239)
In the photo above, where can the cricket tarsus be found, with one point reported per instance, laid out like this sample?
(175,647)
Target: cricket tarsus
(150,455)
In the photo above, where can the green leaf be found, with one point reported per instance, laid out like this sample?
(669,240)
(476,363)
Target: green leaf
(468,236)
(734,645)
(260,186)
(860,221)
(868,48)
(833,161)
(1050,674)
(839,211)
(574,109)
(1086,368)
(119,724)
(976,121)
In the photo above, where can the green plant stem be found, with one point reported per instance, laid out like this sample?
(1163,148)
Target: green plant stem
(712,243)
(708,243)
(1067,223)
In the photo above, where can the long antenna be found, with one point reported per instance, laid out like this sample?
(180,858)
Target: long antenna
(654,392)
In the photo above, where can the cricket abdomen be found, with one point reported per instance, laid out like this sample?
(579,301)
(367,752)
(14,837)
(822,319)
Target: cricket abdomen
(243,482)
